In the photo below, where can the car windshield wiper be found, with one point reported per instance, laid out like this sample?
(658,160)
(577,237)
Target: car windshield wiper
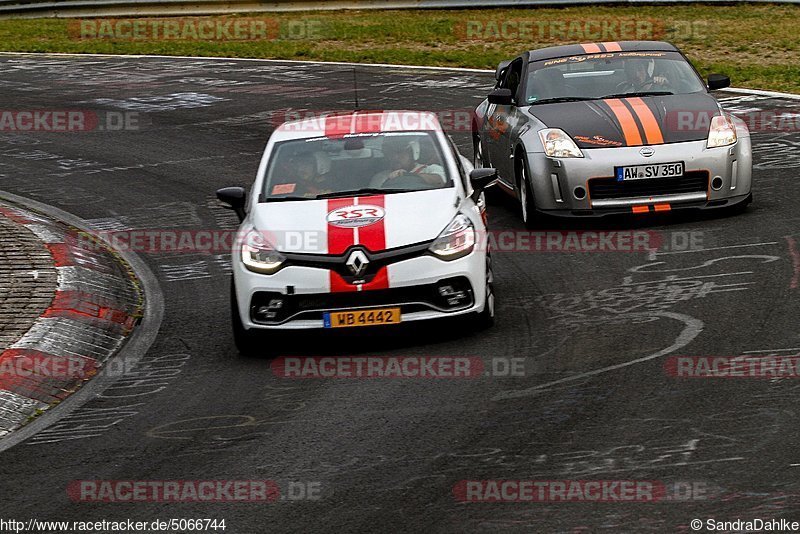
(286,199)
(562,99)
(641,93)
(364,191)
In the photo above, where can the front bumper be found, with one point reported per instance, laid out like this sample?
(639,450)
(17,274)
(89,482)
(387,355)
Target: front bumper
(305,292)
(713,178)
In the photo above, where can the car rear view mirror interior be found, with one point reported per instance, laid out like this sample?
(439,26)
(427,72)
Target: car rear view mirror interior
(718,81)
(233,198)
(481,179)
(501,97)
(354,144)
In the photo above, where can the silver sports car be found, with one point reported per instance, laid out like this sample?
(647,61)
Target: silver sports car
(608,128)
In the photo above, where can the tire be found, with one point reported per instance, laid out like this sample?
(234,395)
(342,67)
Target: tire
(485,318)
(491,194)
(248,343)
(741,207)
(530,217)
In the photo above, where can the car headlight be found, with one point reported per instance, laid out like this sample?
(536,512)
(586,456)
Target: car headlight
(259,256)
(722,132)
(557,144)
(456,241)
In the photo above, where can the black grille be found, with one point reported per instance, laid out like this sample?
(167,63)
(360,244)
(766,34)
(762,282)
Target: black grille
(311,306)
(690,182)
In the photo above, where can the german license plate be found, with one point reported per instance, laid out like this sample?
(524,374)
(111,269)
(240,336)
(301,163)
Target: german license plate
(349,319)
(644,172)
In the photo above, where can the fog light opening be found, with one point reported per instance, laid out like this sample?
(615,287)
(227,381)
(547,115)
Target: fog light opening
(579,192)
(716,183)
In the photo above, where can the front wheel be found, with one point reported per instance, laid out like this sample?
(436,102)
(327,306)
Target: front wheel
(249,343)
(485,318)
(530,217)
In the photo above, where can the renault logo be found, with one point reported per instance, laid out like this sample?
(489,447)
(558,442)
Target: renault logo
(647,151)
(357,262)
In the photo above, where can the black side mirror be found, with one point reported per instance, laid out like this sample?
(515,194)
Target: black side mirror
(498,73)
(718,81)
(501,97)
(480,180)
(233,198)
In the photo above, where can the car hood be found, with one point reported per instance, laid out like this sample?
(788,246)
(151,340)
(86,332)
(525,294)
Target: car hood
(651,120)
(377,222)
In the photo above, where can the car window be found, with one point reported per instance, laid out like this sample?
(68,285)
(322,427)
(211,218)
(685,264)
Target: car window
(599,75)
(513,77)
(461,171)
(390,162)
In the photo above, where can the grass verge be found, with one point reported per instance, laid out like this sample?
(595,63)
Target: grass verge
(757,45)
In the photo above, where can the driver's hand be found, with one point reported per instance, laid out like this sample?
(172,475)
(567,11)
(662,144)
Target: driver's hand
(397,173)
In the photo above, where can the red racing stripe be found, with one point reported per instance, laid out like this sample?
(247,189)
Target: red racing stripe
(373,236)
(339,239)
(381,281)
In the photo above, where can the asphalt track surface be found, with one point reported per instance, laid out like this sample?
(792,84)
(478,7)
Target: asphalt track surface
(595,401)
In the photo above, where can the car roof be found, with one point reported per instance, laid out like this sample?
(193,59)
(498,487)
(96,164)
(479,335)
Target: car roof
(338,125)
(552,52)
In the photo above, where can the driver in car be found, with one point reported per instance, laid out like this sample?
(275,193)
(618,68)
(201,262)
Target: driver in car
(311,170)
(639,74)
(402,154)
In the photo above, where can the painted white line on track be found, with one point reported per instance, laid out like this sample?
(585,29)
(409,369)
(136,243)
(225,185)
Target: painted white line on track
(692,329)
(715,248)
(760,92)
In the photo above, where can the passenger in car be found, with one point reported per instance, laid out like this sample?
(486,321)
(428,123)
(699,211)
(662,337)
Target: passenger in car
(402,154)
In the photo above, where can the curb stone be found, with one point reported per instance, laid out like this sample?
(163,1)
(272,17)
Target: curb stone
(86,312)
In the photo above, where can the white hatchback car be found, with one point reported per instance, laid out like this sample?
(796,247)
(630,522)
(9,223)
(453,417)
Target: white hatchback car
(361,219)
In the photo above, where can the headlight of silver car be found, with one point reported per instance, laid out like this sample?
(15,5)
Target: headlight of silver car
(557,144)
(456,241)
(722,132)
(259,256)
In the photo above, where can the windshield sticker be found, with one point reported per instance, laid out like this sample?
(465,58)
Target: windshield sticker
(579,59)
(283,189)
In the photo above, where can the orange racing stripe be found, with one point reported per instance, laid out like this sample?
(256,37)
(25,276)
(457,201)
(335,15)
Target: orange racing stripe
(626,122)
(612,47)
(640,209)
(651,128)
(591,48)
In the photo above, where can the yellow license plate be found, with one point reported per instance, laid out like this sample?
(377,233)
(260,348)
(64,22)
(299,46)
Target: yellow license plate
(348,319)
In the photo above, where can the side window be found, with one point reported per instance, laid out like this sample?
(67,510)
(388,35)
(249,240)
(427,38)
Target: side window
(513,77)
